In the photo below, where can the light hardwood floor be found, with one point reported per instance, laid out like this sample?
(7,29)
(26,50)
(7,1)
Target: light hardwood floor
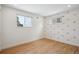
(42,46)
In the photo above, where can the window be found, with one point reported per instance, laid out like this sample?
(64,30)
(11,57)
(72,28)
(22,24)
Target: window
(59,20)
(23,21)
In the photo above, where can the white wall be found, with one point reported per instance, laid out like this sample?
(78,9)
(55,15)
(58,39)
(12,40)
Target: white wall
(67,31)
(14,35)
(0,28)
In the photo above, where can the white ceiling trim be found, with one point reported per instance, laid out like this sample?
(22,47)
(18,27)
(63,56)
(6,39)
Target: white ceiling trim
(44,9)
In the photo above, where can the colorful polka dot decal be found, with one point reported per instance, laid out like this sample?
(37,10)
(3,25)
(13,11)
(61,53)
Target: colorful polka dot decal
(67,30)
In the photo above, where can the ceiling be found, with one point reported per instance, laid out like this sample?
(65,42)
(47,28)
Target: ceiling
(43,9)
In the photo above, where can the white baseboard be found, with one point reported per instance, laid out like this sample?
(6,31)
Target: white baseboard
(73,44)
(23,42)
(19,43)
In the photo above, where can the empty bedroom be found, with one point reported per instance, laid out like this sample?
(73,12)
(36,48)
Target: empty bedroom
(39,28)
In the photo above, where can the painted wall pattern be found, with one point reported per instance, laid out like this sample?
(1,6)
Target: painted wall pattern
(67,31)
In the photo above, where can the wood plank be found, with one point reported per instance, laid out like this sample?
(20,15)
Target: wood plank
(42,46)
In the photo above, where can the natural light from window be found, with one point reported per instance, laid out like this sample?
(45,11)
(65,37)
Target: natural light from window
(24,21)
